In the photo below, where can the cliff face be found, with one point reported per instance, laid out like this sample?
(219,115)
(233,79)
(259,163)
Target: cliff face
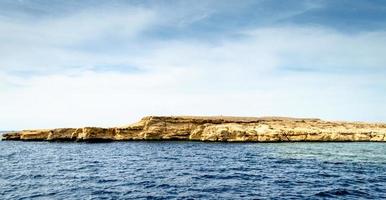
(231,129)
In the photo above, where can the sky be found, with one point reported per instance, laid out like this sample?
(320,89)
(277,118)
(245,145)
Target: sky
(109,63)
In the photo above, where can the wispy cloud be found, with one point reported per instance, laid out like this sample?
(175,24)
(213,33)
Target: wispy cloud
(54,44)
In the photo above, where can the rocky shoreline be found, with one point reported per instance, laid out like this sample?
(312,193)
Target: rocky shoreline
(227,129)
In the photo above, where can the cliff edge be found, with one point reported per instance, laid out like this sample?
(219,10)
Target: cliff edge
(230,129)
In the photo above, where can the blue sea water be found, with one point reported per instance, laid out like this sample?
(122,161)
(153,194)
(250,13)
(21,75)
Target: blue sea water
(192,170)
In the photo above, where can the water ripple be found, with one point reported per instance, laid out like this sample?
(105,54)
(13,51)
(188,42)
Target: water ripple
(192,170)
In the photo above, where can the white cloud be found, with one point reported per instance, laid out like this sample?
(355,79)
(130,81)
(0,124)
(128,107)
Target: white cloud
(111,99)
(269,48)
(55,43)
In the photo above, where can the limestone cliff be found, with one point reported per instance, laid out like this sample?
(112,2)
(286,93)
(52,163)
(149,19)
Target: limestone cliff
(230,129)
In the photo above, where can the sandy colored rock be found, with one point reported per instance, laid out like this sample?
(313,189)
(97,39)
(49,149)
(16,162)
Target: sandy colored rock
(219,128)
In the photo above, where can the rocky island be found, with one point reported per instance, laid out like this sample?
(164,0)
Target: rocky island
(227,129)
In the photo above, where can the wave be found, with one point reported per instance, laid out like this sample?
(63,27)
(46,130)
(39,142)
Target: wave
(342,192)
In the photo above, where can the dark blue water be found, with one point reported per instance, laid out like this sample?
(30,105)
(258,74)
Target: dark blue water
(192,170)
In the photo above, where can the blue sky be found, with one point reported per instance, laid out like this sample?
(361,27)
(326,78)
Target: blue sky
(107,63)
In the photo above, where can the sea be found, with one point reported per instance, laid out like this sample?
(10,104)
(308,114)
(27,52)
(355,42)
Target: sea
(192,170)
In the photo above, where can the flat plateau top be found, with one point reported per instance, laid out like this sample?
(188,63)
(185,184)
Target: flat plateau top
(233,118)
